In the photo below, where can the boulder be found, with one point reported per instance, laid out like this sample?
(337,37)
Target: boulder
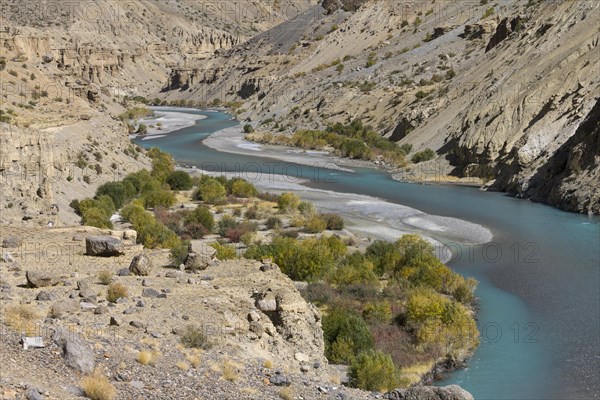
(103,246)
(202,247)
(41,279)
(150,293)
(33,394)
(78,353)
(451,392)
(101,310)
(196,262)
(7,257)
(280,379)
(44,296)
(63,308)
(12,242)
(47,58)
(141,265)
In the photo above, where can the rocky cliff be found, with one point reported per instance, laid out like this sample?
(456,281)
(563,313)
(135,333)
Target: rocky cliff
(495,89)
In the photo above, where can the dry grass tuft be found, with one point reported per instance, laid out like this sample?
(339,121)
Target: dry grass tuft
(286,393)
(146,357)
(229,371)
(116,291)
(268,364)
(22,317)
(194,359)
(182,365)
(105,277)
(98,387)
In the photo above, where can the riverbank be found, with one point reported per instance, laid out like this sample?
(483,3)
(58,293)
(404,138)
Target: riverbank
(164,122)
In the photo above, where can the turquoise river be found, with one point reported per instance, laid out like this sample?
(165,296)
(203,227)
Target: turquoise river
(539,279)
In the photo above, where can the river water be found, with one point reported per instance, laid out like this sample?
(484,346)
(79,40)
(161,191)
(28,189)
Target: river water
(539,277)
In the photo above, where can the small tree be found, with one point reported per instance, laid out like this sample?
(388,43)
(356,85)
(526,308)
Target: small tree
(248,128)
(179,180)
(374,370)
(212,191)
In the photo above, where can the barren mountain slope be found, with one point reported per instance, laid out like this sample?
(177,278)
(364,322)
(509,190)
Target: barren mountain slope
(495,89)
(66,71)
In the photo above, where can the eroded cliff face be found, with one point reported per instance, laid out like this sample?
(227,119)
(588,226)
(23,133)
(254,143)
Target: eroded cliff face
(496,89)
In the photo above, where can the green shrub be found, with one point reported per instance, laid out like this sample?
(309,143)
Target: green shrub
(385,256)
(225,224)
(157,198)
(307,260)
(179,180)
(374,371)
(346,334)
(211,191)
(334,221)
(274,223)
(242,188)
(306,208)
(225,252)
(377,312)
(193,337)
(162,164)
(371,60)
(115,292)
(119,192)
(142,129)
(252,213)
(316,224)
(178,253)
(203,216)
(355,269)
(424,155)
(151,233)
(97,218)
(288,202)
(248,128)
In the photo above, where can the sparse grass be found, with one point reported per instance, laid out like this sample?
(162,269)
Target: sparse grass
(413,374)
(115,292)
(268,364)
(21,317)
(98,387)
(229,371)
(105,277)
(286,393)
(194,359)
(146,357)
(182,365)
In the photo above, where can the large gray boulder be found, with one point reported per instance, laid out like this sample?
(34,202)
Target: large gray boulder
(78,353)
(103,246)
(41,279)
(141,265)
(451,392)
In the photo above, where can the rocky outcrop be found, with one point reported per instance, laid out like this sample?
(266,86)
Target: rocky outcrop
(451,392)
(569,178)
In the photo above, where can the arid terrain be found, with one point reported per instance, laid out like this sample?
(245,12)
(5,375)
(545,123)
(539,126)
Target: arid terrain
(501,94)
